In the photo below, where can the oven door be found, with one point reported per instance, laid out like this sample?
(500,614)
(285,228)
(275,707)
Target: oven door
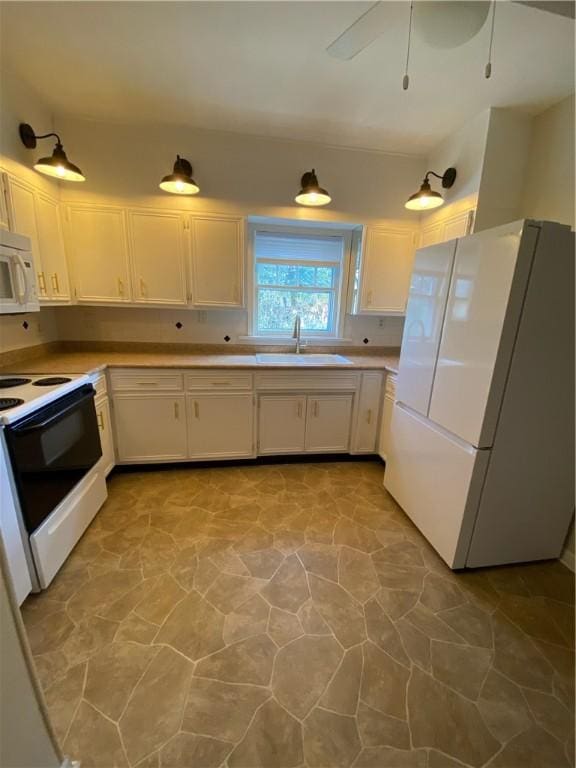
(51,451)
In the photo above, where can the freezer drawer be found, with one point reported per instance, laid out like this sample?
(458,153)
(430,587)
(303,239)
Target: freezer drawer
(437,479)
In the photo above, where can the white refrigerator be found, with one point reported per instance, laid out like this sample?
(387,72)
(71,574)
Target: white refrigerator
(481,450)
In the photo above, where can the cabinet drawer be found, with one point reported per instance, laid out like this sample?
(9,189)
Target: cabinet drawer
(309,381)
(390,386)
(146,381)
(218,380)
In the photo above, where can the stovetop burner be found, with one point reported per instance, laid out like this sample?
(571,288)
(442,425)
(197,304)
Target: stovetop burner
(13,381)
(51,381)
(9,402)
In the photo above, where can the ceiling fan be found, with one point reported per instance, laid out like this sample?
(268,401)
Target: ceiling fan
(443,24)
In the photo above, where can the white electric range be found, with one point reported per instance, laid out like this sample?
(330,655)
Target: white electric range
(50,482)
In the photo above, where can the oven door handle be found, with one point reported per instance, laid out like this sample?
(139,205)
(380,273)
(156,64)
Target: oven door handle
(28,427)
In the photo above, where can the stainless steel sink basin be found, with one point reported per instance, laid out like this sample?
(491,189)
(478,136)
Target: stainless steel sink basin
(290,358)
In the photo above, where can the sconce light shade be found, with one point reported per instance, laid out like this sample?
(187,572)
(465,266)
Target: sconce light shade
(180,181)
(426,198)
(311,192)
(57,165)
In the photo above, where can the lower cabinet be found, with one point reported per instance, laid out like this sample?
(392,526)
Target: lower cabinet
(304,423)
(150,427)
(367,413)
(387,408)
(281,423)
(220,425)
(108,460)
(328,423)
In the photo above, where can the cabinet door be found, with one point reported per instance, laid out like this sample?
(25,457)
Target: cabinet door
(158,257)
(220,425)
(22,211)
(150,427)
(328,423)
(52,253)
(384,444)
(458,226)
(217,272)
(98,254)
(281,423)
(386,269)
(367,410)
(4,220)
(106,463)
(430,235)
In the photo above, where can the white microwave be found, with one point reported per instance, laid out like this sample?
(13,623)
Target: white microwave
(17,275)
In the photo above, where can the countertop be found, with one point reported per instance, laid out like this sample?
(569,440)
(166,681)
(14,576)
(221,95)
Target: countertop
(91,362)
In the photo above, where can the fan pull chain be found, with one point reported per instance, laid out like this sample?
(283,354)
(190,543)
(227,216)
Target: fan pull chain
(406,78)
(488,68)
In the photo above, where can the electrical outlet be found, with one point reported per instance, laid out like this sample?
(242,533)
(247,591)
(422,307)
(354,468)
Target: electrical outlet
(381,322)
(202,317)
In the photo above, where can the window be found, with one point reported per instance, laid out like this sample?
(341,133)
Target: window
(298,274)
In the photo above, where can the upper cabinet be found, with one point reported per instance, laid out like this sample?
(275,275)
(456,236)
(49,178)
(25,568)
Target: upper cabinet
(217,261)
(449,228)
(55,282)
(385,269)
(96,239)
(157,249)
(36,215)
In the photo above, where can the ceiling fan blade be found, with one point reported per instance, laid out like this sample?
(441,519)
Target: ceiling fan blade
(560,7)
(360,33)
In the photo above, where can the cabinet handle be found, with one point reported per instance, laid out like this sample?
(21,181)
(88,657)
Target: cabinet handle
(41,283)
(143,291)
(196,409)
(147,383)
(220,383)
(369,298)
(299,409)
(100,419)
(369,416)
(316,408)
(120,287)
(176,411)
(55,285)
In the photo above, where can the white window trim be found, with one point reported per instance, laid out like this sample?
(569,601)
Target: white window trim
(341,293)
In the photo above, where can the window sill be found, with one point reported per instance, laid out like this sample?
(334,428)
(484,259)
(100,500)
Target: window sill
(313,341)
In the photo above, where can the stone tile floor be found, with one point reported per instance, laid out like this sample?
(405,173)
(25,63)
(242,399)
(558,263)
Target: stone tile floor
(291,615)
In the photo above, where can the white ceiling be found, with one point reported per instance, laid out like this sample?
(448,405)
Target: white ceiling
(262,68)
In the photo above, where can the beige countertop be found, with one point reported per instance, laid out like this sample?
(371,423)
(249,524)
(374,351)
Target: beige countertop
(90,362)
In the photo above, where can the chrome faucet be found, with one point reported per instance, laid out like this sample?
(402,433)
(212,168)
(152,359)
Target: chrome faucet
(296,333)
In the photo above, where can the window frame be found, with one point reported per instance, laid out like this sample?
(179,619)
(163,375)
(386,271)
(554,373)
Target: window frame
(340,291)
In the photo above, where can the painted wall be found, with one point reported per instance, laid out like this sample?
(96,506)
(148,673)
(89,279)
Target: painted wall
(549,180)
(236,173)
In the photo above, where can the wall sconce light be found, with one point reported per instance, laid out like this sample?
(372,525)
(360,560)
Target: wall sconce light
(180,181)
(58,166)
(311,192)
(426,199)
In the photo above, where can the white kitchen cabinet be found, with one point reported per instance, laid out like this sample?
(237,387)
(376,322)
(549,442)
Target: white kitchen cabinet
(281,423)
(458,226)
(4,218)
(22,216)
(97,247)
(385,270)
(220,425)
(55,282)
(156,241)
(367,412)
(217,261)
(108,459)
(150,427)
(328,423)
(386,421)
(431,234)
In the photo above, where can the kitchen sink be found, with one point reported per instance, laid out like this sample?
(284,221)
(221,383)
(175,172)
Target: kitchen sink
(291,358)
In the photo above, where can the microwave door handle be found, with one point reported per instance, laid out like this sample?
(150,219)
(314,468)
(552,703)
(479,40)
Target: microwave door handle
(20,267)
(26,428)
